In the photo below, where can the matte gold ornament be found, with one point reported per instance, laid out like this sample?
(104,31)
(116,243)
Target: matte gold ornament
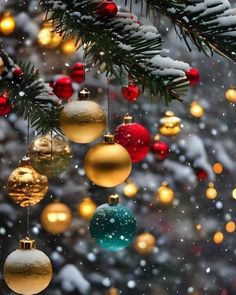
(27,270)
(82,121)
(108,163)
(145,243)
(26,186)
(7,24)
(56,218)
(50,154)
(230,95)
(2,66)
(170,125)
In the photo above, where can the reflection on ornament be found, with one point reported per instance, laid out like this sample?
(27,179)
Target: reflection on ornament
(56,218)
(196,109)
(230,226)
(234,193)
(217,168)
(7,24)
(230,95)
(27,270)
(87,208)
(211,192)
(108,163)
(170,125)
(50,154)
(69,46)
(130,189)
(113,291)
(164,194)
(25,186)
(218,237)
(47,37)
(144,243)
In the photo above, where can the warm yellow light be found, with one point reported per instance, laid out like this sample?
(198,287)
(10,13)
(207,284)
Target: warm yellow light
(218,237)
(198,226)
(7,24)
(217,168)
(196,109)
(230,226)
(130,190)
(69,46)
(87,208)
(144,243)
(165,195)
(47,37)
(230,95)
(54,217)
(211,192)
(234,193)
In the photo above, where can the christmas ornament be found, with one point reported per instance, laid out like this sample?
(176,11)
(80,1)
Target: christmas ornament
(108,163)
(218,237)
(27,270)
(5,106)
(164,194)
(201,174)
(107,9)
(83,121)
(211,192)
(145,243)
(63,89)
(56,218)
(196,109)
(134,138)
(193,76)
(230,95)
(17,74)
(7,24)
(217,168)
(47,37)
(130,189)
(2,66)
(87,208)
(78,73)
(230,226)
(69,46)
(25,186)
(170,125)
(50,154)
(160,149)
(113,226)
(131,93)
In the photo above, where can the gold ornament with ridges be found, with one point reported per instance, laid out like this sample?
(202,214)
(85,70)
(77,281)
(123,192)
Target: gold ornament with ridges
(145,243)
(107,164)
(50,154)
(170,125)
(27,270)
(230,95)
(26,186)
(82,121)
(56,218)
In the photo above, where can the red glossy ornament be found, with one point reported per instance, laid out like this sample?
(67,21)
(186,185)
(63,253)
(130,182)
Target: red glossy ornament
(17,74)
(131,92)
(107,9)
(63,88)
(193,76)
(78,73)
(5,106)
(201,174)
(134,137)
(160,149)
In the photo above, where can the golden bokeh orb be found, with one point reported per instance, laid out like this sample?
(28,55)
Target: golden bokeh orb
(230,226)
(217,168)
(230,95)
(145,243)
(218,237)
(234,193)
(130,189)
(47,37)
(196,109)
(164,194)
(198,226)
(211,192)
(170,125)
(86,208)
(69,46)
(7,24)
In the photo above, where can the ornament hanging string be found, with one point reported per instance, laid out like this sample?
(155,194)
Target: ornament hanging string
(28,207)
(108,105)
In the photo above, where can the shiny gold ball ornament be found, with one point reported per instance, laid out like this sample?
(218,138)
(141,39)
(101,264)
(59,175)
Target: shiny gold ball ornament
(47,37)
(196,109)
(230,94)
(108,163)
(164,194)
(69,46)
(27,270)
(145,243)
(56,218)
(82,121)
(26,186)
(130,189)
(7,24)
(50,154)
(87,208)
(211,192)
(170,125)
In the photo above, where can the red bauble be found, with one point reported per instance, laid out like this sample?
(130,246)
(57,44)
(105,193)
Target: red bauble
(201,174)
(63,88)
(107,9)
(160,149)
(5,106)
(193,76)
(78,73)
(131,92)
(134,137)
(17,74)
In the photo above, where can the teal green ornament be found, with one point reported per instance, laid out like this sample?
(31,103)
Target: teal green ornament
(113,226)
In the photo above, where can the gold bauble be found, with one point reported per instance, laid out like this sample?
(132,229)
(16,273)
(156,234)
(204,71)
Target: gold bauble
(196,109)
(7,24)
(164,194)
(56,218)
(47,37)
(27,270)
(108,163)
(87,208)
(2,66)
(144,243)
(230,226)
(26,186)
(218,237)
(82,121)
(211,192)
(217,168)
(69,46)
(230,95)
(50,154)
(130,189)
(170,125)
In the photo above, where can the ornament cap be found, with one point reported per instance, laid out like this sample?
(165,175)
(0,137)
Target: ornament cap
(25,161)
(109,138)
(114,199)
(128,119)
(27,244)
(84,94)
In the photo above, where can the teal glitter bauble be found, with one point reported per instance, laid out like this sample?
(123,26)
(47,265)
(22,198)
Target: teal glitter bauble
(113,227)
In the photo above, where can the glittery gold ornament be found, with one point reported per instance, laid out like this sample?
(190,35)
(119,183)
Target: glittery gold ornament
(211,192)
(7,24)
(170,125)
(164,194)
(145,243)
(2,66)
(56,218)
(230,95)
(47,37)
(69,46)
(27,270)
(50,154)
(196,109)
(87,208)
(130,189)
(108,163)
(25,186)
(82,121)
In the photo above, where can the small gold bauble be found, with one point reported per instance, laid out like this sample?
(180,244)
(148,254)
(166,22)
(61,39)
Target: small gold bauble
(2,66)
(108,163)
(196,109)
(144,243)
(56,218)
(230,95)
(87,208)
(211,192)
(230,226)
(7,24)
(69,46)
(82,121)
(165,195)
(170,125)
(25,186)
(130,189)
(218,237)
(27,270)
(217,168)
(50,154)
(47,37)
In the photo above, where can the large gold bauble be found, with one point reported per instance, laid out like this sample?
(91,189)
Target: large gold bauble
(230,95)
(56,218)
(2,66)
(164,194)
(87,208)
(82,121)
(27,270)
(26,186)
(145,243)
(108,163)
(170,125)
(47,37)
(50,154)
(7,24)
